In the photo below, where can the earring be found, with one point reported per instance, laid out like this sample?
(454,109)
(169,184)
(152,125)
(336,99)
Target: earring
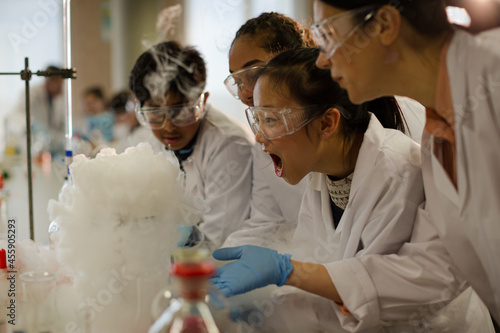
(323,136)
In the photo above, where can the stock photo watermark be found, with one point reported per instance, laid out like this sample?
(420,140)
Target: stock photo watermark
(32,25)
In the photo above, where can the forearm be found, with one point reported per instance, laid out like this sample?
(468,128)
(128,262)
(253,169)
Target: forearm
(313,278)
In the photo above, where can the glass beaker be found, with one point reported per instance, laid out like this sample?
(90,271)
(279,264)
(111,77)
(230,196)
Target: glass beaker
(37,311)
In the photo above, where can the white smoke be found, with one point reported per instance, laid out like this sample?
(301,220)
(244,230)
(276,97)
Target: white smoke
(167,23)
(118,225)
(167,72)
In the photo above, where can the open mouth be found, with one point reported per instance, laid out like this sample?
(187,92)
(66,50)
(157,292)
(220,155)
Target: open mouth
(278,165)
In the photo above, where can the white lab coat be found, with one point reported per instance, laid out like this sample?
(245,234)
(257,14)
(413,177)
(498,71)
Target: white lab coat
(274,207)
(385,194)
(384,203)
(420,288)
(51,135)
(218,176)
(468,221)
(414,114)
(275,203)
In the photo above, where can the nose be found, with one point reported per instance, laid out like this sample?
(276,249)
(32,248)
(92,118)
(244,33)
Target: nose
(246,96)
(323,62)
(260,138)
(169,126)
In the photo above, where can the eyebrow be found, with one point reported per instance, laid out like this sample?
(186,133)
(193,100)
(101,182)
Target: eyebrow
(248,64)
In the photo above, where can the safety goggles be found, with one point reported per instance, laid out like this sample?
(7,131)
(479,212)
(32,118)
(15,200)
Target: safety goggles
(156,117)
(275,123)
(332,32)
(243,79)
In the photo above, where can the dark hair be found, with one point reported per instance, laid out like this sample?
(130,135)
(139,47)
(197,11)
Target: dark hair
(168,68)
(276,32)
(119,102)
(294,75)
(428,17)
(95,91)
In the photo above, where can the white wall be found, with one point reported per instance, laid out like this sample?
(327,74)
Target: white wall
(28,28)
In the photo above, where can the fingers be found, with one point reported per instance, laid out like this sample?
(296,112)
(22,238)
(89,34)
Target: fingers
(228,253)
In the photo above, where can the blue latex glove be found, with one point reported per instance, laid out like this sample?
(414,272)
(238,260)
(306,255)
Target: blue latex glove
(185,231)
(254,268)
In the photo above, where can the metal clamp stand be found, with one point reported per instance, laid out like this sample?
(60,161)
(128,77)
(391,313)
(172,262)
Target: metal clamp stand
(26,76)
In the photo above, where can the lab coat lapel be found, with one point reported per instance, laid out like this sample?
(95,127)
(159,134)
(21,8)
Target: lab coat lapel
(351,227)
(457,59)
(318,183)
(368,152)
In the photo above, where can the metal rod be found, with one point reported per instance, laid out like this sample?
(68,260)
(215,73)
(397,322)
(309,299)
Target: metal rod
(27,76)
(10,73)
(68,97)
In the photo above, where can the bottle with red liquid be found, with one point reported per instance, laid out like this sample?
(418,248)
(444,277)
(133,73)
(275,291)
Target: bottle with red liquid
(190,312)
(3,291)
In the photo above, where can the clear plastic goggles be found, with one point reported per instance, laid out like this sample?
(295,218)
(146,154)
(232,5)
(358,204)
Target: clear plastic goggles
(332,32)
(243,79)
(156,117)
(275,123)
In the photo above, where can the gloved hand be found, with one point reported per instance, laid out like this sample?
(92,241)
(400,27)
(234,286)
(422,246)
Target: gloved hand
(254,268)
(185,231)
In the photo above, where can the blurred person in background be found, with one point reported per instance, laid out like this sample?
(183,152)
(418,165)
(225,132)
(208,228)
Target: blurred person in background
(99,121)
(128,131)
(47,117)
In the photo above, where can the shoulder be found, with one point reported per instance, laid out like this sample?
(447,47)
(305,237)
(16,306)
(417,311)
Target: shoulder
(388,153)
(219,126)
(466,49)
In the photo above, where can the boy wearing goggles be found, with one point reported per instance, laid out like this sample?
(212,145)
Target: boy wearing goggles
(213,150)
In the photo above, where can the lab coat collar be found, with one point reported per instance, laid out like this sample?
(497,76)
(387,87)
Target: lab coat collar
(372,142)
(370,147)
(367,157)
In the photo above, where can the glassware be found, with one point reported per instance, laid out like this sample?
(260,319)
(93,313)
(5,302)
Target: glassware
(189,309)
(37,311)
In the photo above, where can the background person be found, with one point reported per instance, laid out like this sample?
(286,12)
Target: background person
(213,150)
(99,120)
(412,50)
(128,132)
(48,114)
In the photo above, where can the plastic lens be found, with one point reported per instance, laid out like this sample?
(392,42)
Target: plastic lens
(274,123)
(157,117)
(332,32)
(242,79)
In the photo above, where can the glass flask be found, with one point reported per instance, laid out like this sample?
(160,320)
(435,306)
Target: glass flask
(189,309)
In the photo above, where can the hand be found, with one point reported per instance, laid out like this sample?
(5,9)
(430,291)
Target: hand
(186,231)
(254,268)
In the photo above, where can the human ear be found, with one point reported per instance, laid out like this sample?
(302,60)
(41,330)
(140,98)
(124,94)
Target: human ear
(389,19)
(206,98)
(330,122)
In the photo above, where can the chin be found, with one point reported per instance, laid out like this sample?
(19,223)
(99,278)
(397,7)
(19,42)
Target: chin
(292,180)
(357,98)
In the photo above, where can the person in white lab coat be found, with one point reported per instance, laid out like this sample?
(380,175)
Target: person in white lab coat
(214,151)
(376,47)
(47,115)
(363,196)
(273,216)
